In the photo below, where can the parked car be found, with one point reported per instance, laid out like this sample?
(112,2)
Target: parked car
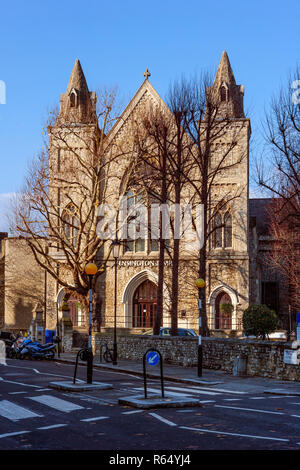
(166,331)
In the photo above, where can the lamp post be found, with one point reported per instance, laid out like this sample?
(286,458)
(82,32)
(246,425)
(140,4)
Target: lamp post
(116,252)
(90,269)
(200,283)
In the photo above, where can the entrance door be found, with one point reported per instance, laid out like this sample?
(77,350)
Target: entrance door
(223,320)
(144,305)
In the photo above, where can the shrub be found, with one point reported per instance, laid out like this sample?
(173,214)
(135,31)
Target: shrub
(259,320)
(226,308)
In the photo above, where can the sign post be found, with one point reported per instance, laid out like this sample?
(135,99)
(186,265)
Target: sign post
(298,326)
(153,357)
(200,284)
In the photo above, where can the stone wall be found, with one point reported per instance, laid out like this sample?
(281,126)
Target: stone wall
(264,358)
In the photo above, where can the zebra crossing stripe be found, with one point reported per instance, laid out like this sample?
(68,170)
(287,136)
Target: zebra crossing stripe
(56,403)
(53,426)
(94,419)
(15,412)
(9,434)
(192,390)
(171,394)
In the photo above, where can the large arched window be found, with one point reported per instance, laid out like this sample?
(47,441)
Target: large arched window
(70,224)
(138,223)
(222,229)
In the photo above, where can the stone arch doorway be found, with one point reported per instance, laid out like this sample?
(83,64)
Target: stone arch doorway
(76,312)
(130,289)
(144,305)
(223,320)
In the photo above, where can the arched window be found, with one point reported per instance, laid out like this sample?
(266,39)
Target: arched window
(223,93)
(73,99)
(70,224)
(134,224)
(222,229)
(217,234)
(227,230)
(223,311)
(138,224)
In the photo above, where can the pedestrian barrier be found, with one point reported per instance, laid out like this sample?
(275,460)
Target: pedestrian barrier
(85,354)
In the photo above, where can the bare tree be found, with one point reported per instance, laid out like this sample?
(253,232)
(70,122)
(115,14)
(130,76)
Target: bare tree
(57,211)
(279,175)
(186,149)
(215,131)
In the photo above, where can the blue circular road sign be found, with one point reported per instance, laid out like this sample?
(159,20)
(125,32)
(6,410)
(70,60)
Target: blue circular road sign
(152,358)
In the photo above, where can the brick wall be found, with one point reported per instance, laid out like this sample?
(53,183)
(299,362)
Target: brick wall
(264,358)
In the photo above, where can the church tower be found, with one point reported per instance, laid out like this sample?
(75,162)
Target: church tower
(229,253)
(73,144)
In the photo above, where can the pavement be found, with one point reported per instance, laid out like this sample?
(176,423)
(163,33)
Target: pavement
(188,375)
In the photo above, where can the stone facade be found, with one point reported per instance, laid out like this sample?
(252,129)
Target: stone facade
(22,285)
(233,271)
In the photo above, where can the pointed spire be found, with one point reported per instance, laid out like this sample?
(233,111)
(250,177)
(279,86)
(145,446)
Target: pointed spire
(78,104)
(77,79)
(229,95)
(224,72)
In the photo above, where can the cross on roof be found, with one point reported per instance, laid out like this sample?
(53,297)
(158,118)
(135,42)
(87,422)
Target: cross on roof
(147,74)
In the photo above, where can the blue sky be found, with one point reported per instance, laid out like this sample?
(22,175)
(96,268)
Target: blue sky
(115,41)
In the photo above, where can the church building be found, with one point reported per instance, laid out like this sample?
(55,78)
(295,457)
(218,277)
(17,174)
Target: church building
(236,273)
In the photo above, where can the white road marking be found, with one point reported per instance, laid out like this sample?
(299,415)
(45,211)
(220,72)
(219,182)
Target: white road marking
(13,434)
(257,398)
(232,399)
(16,393)
(185,411)
(234,434)
(19,383)
(131,412)
(166,421)
(95,419)
(15,412)
(207,401)
(53,426)
(171,394)
(191,390)
(56,403)
(46,373)
(224,390)
(249,409)
(44,390)
(295,416)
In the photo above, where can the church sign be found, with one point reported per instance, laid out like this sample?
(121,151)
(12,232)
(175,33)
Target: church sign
(142,263)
